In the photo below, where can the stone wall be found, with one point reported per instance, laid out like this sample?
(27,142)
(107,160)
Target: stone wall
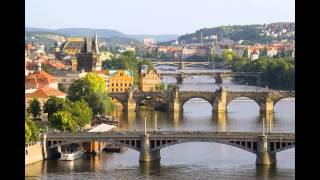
(33,153)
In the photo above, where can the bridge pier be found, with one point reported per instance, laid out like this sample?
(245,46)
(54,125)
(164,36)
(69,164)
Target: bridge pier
(179,78)
(218,78)
(44,146)
(220,104)
(146,154)
(264,157)
(130,105)
(266,106)
(174,106)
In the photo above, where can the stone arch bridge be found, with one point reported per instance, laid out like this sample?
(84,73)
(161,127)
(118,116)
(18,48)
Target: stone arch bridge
(174,100)
(149,144)
(218,76)
(182,64)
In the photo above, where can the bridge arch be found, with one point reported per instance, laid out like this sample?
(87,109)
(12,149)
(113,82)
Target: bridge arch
(158,101)
(118,142)
(230,99)
(190,76)
(252,150)
(281,98)
(184,100)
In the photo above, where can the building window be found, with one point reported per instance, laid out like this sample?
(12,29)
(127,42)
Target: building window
(120,84)
(121,89)
(125,84)
(117,84)
(112,84)
(112,89)
(116,89)
(26,151)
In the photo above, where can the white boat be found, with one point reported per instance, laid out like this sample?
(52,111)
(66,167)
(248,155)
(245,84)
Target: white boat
(71,155)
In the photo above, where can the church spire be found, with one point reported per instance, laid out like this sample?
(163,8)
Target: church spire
(95,44)
(86,45)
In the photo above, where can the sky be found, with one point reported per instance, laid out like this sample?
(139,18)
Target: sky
(155,16)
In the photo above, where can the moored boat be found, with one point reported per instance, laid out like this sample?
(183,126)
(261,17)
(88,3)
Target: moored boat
(72,154)
(114,148)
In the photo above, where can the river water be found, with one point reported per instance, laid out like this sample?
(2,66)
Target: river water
(188,160)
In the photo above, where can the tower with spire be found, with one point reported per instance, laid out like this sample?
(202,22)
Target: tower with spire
(89,58)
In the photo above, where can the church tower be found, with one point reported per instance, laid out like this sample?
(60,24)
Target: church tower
(89,59)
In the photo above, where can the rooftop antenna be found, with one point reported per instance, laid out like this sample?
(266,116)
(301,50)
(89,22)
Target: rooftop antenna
(201,40)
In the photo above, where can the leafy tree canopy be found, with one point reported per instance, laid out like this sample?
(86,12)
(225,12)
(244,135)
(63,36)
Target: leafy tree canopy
(63,121)
(34,108)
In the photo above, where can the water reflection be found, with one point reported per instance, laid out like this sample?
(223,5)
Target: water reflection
(265,172)
(221,120)
(150,168)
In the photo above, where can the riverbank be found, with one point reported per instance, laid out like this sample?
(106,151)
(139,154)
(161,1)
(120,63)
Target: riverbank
(33,153)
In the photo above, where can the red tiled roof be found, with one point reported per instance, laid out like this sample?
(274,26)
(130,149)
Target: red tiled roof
(45,93)
(39,79)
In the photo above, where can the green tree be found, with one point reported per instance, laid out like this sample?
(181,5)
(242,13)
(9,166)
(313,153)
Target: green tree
(228,54)
(277,72)
(263,52)
(91,89)
(63,121)
(245,53)
(76,90)
(34,108)
(160,87)
(80,111)
(94,82)
(100,102)
(27,133)
(53,104)
(62,88)
(34,130)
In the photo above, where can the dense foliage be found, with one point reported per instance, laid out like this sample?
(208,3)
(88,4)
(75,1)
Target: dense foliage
(31,130)
(249,33)
(34,108)
(62,120)
(53,105)
(278,72)
(91,89)
(80,114)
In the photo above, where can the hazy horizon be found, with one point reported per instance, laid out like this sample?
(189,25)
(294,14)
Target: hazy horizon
(155,17)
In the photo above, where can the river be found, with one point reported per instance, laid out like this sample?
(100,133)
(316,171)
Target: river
(188,160)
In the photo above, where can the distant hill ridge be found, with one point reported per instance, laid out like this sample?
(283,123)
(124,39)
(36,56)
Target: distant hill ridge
(256,33)
(104,33)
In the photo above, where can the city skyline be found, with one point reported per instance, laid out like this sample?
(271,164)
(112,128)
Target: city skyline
(146,17)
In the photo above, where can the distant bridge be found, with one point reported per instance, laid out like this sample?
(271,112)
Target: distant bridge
(218,76)
(265,146)
(182,64)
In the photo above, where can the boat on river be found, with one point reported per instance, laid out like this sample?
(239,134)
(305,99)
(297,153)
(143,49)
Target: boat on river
(114,148)
(71,154)
(98,119)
